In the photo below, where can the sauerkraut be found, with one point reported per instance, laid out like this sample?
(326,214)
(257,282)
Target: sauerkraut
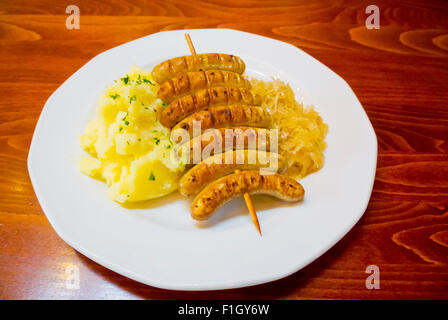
(302,132)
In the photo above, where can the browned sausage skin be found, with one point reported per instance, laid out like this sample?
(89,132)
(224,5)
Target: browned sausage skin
(222,116)
(200,62)
(191,82)
(228,187)
(238,138)
(218,96)
(217,166)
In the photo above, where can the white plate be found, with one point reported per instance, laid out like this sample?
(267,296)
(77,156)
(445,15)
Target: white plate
(161,245)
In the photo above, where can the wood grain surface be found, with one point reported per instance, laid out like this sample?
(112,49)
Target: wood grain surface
(399,73)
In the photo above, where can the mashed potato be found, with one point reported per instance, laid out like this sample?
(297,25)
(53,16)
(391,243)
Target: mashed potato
(129,149)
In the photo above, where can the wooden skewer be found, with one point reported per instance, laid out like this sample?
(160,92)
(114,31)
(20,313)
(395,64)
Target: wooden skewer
(247,198)
(190,44)
(251,208)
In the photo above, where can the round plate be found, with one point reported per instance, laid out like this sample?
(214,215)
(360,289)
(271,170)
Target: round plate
(158,243)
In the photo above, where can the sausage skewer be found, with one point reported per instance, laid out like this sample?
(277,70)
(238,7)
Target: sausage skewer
(217,166)
(250,138)
(249,203)
(188,83)
(225,116)
(197,62)
(217,96)
(234,185)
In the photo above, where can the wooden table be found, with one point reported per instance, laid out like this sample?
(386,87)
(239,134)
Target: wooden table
(399,73)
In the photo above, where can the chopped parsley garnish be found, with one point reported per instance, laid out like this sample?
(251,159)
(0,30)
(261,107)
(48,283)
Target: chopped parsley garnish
(139,80)
(148,81)
(126,122)
(139,139)
(157,140)
(125,79)
(152,177)
(120,129)
(164,104)
(168,146)
(133,98)
(114,96)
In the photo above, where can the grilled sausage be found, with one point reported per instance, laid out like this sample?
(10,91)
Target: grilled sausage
(217,166)
(218,117)
(238,138)
(189,104)
(207,61)
(228,187)
(191,82)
